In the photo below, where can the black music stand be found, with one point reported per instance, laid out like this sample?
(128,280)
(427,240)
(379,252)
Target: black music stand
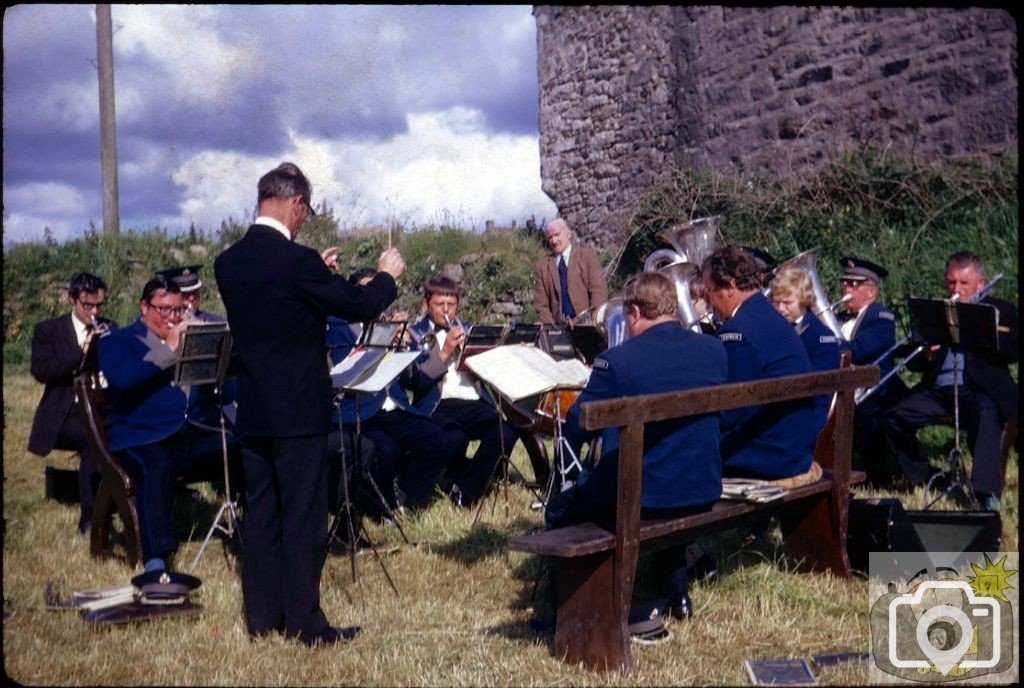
(368,370)
(965,326)
(203,357)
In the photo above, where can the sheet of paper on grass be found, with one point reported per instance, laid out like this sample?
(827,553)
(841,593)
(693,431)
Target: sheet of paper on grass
(519,371)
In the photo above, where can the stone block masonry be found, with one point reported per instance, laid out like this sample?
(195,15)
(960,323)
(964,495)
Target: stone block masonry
(629,93)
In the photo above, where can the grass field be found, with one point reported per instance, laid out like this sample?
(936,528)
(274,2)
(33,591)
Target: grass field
(460,618)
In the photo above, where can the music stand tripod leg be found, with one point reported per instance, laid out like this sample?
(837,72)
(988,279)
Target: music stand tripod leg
(229,506)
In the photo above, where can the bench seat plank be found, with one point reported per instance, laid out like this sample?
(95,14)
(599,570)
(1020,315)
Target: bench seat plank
(588,538)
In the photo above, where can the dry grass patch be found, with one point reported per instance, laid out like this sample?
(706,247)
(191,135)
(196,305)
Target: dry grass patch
(460,617)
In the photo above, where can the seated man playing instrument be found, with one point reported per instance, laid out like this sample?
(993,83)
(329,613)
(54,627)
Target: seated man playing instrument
(453,398)
(769,441)
(682,471)
(155,425)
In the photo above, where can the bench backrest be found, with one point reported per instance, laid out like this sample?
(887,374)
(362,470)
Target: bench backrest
(834,447)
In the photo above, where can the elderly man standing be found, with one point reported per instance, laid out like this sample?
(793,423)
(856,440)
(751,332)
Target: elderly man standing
(986,390)
(278,295)
(569,280)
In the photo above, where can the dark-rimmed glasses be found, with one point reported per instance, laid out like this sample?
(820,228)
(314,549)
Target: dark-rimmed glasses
(166,311)
(851,283)
(92,305)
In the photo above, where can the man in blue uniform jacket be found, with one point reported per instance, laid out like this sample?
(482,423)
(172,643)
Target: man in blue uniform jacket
(159,428)
(682,471)
(869,331)
(768,441)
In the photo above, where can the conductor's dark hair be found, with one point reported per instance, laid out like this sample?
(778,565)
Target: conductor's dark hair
(284,181)
(361,274)
(732,266)
(441,285)
(159,284)
(87,282)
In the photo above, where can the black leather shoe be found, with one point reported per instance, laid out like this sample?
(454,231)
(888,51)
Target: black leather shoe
(679,607)
(334,635)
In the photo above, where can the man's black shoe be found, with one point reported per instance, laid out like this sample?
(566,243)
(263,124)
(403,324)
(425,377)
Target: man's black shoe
(334,635)
(679,607)
(84,527)
(542,626)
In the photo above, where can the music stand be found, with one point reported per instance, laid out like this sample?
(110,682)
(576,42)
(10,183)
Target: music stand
(367,370)
(967,326)
(203,357)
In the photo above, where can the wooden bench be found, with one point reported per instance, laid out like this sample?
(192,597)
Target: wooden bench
(116,492)
(595,568)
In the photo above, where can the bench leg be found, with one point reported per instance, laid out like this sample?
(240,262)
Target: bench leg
(590,628)
(814,534)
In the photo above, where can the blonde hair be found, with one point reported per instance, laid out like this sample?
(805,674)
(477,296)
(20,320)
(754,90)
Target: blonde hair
(794,281)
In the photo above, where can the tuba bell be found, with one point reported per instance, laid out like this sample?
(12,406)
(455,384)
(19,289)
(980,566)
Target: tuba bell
(611,322)
(691,242)
(807,261)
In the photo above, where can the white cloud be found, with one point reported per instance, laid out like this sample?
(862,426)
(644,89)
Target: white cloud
(44,205)
(444,168)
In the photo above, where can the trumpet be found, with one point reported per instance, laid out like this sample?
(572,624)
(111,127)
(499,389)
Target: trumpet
(98,329)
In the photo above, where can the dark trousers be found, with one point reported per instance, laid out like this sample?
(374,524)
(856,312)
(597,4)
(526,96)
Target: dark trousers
(285,534)
(572,507)
(979,415)
(155,468)
(468,420)
(424,451)
(72,437)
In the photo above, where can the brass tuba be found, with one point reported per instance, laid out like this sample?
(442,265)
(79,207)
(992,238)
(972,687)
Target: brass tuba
(807,261)
(692,242)
(610,321)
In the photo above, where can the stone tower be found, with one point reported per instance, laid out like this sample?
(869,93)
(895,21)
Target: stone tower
(628,93)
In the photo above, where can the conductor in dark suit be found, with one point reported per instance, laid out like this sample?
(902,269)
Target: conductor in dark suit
(278,295)
(61,348)
(569,280)
(986,391)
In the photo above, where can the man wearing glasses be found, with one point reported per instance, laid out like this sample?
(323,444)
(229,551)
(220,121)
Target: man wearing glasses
(869,330)
(152,423)
(278,295)
(61,348)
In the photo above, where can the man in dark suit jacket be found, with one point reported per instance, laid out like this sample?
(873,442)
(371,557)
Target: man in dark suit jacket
(61,348)
(768,441)
(682,471)
(576,267)
(278,295)
(986,390)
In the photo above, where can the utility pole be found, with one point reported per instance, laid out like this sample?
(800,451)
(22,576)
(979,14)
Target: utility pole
(108,129)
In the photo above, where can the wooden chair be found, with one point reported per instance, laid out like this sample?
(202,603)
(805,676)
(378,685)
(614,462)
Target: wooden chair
(116,492)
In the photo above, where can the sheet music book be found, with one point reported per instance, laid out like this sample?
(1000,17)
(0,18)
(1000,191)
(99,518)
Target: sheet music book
(974,326)
(751,490)
(371,369)
(521,370)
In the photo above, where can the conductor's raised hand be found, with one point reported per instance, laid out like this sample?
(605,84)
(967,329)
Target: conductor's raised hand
(391,262)
(330,258)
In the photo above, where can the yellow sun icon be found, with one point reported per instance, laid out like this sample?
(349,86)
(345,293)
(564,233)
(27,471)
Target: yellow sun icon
(990,580)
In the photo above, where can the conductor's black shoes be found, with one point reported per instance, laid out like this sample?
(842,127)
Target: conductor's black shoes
(679,607)
(334,635)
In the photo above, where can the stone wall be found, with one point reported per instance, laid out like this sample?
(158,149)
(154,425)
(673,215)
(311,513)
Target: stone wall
(626,93)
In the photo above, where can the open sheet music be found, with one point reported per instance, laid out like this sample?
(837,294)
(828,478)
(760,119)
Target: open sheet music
(370,369)
(520,371)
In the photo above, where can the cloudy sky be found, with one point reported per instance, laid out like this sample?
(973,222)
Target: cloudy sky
(407,114)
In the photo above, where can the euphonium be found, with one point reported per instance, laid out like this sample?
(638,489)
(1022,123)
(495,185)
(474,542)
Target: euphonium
(822,306)
(610,321)
(682,274)
(691,242)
